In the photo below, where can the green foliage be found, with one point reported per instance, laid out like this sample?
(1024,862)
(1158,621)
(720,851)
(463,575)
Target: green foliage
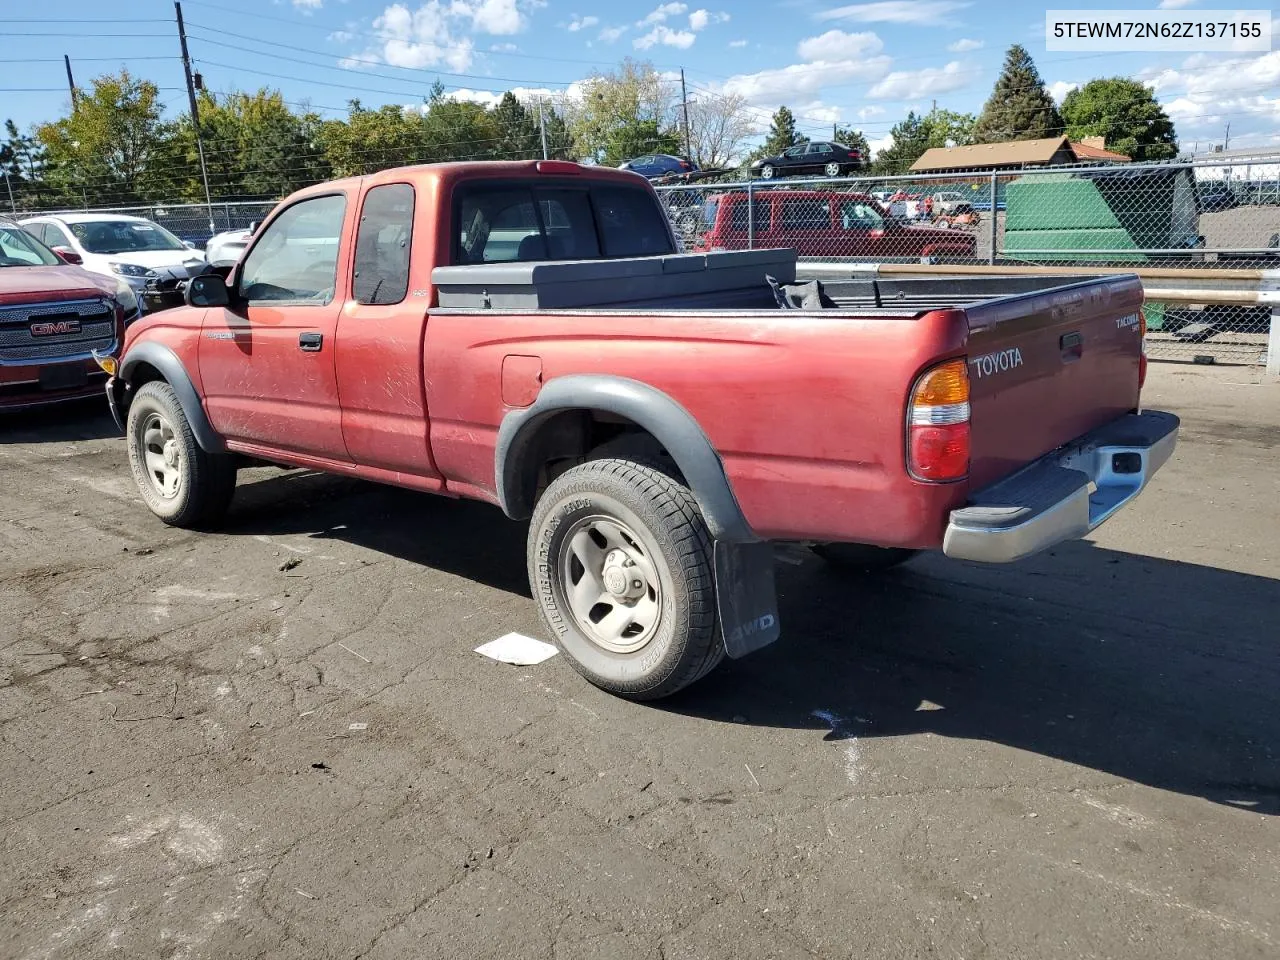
(22,161)
(782,134)
(855,139)
(942,126)
(910,139)
(516,128)
(1019,108)
(623,114)
(110,145)
(1126,113)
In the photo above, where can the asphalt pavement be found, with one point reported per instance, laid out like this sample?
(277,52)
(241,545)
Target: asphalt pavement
(207,750)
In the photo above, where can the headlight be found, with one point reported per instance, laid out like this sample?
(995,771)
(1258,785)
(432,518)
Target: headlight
(130,270)
(127,299)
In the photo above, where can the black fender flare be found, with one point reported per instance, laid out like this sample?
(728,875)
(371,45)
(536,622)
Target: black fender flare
(673,426)
(175,374)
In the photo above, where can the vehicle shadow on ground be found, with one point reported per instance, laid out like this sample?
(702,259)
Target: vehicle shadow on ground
(87,419)
(1155,671)
(1159,672)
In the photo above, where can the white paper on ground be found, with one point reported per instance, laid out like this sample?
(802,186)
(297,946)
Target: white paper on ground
(517,649)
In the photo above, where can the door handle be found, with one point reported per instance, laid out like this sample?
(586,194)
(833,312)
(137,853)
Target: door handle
(310,342)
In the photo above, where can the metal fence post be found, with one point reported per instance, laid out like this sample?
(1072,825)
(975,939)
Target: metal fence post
(991,257)
(1273,343)
(751,218)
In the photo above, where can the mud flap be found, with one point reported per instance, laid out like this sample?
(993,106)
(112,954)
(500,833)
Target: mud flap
(746,596)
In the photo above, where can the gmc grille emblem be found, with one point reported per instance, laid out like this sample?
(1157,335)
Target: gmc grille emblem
(53,328)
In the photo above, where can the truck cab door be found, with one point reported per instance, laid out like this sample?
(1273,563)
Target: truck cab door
(267,358)
(381,337)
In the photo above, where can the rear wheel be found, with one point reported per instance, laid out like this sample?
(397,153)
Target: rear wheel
(766,172)
(620,563)
(861,556)
(180,483)
(832,169)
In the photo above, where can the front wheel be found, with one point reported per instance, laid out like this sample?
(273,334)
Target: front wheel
(620,562)
(832,169)
(181,484)
(766,172)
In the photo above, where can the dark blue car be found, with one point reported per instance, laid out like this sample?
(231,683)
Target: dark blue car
(658,165)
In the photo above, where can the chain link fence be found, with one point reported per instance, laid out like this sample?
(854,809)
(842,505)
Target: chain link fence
(1221,216)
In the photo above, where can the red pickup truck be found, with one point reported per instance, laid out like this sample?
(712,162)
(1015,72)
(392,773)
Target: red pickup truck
(528,334)
(823,223)
(53,316)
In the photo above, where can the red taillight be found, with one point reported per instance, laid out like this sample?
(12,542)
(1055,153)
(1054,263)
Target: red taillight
(938,437)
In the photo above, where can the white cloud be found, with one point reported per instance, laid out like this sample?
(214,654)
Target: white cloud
(699,19)
(434,34)
(501,17)
(611,34)
(527,95)
(582,23)
(504,48)
(1208,91)
(1059,90)
(966,45)
(838,45)
(342,36)
(1175,4)
(880,143)
(306,6)
(664,11)
(930,12)
(902,84)
(737,44)
(662,34)
(801,81)
(867,113)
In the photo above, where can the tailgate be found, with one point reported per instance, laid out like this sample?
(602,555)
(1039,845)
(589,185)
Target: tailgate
(1046,367)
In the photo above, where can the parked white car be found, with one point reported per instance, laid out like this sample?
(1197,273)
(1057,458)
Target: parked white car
(226,248)
(132,248)
(950,202)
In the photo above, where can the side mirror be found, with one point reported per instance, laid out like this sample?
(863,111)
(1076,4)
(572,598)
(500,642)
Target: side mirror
(188,244)
(207,290)
(67,255)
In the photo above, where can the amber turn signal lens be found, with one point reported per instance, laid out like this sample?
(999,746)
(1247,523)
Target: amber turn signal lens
(944,384)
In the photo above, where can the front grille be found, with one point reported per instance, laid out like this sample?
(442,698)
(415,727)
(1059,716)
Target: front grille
(18,344)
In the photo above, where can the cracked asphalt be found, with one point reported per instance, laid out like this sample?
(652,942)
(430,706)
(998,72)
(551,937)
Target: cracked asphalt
(205,755)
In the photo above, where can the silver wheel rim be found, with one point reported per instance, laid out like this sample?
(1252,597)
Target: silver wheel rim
(161,456)
(611,584)
(766,172)
(833,169)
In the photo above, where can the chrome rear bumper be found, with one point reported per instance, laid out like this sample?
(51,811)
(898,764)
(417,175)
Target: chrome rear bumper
(1065,494)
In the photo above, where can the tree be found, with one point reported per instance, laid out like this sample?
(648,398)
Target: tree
(21,162)
(782,134)
(947,128)
(855,139)
(113,145)
(516,128)
(1126,113)
(372,140)
(718,126)
(910,139)
(1019,108)
(624,113)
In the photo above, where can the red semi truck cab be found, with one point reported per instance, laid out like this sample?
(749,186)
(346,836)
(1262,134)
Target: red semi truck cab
(529,334)
(53,318)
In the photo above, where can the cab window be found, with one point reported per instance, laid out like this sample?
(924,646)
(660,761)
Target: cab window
(383,245)
(296,258)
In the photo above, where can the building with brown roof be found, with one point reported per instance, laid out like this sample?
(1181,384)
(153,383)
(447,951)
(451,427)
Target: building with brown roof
(1016,155)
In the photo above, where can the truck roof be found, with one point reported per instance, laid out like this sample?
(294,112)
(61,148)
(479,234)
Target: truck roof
(446,174)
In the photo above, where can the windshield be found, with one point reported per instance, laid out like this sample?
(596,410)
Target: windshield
(20,249)
(124,236)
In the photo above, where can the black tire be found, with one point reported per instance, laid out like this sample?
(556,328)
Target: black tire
(861,556)
(206,482)
(669,533)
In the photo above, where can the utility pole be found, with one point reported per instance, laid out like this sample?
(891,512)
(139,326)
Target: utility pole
(1226,141)
(195,113)
(70,81)
(542,128)
(8,182)
(684,100)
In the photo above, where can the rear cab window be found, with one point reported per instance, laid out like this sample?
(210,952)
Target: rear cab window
(383,245)
(497,222)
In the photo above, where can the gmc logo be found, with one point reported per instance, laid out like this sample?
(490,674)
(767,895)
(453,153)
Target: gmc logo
(53,328)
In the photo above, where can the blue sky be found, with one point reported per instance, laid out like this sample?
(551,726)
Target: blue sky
(863,64)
